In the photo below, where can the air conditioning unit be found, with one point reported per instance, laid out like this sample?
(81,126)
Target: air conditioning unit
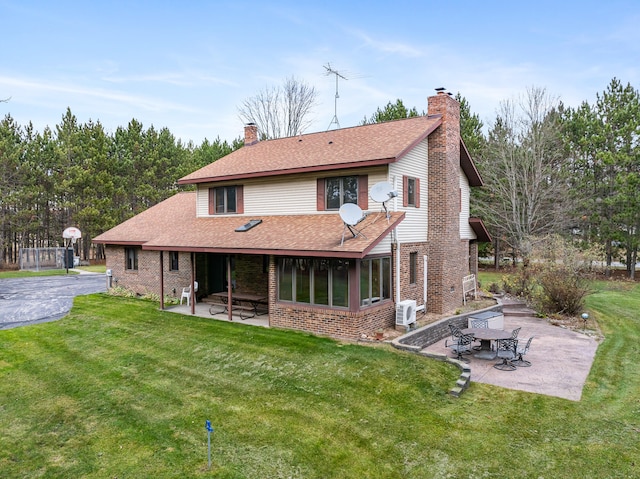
(406,312)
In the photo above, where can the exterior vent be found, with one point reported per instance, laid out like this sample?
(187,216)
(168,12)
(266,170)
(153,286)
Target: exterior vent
(406,312)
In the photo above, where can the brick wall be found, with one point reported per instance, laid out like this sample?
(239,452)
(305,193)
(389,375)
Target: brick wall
(325,321)
(447,253)
(410,290)
(147,278)
(250,274)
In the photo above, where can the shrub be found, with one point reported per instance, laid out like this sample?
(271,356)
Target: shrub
(562,291)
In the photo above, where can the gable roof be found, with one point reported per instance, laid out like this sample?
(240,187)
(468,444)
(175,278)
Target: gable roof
(173,225)
(469,167)
(145,225)
(368,145)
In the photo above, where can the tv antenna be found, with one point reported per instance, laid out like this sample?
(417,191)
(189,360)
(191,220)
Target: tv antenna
(331,71)
(351,214)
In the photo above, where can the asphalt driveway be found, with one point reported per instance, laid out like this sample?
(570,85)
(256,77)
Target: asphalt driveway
(43,298)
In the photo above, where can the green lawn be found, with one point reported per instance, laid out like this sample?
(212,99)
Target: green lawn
(51,272)
(120,389)
(25,274)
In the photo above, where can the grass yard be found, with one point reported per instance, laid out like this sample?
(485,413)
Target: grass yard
(120,389)
(51,272)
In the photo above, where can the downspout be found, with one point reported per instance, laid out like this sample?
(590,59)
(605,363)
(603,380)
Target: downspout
(397,240)
(161,280)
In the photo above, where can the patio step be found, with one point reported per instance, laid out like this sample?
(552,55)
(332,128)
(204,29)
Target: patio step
(516,307)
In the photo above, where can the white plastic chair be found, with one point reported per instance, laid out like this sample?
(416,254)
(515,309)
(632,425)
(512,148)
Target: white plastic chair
(186,293)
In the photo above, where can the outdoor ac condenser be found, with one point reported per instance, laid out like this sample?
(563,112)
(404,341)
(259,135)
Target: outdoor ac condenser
(406,312)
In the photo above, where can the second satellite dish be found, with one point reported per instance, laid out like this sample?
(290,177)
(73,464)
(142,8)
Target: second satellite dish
(382,192)
(350,213)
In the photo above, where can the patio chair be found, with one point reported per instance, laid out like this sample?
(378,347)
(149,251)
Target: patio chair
(460,346)
(515,332)
(478,323)
(506,350)
(455,332)
(522,350)
(186,293)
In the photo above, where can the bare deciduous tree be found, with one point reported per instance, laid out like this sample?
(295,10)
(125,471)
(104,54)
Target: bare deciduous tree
(280,111)
(522,169)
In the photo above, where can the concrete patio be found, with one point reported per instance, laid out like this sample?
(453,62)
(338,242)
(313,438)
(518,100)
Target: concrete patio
(202,310)
(560,359)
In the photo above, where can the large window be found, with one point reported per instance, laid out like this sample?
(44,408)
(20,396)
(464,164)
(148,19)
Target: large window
(131,259)
(340,190)
(314,281)
(375,280)
(225,199)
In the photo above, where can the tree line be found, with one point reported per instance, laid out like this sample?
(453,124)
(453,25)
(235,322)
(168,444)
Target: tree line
(548,170)
(554,170)
(80,175)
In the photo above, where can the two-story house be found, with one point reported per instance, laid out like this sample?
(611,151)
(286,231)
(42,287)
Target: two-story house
(269,219)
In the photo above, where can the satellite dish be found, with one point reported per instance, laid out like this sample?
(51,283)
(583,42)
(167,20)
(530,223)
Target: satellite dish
(382,192)
(350,213)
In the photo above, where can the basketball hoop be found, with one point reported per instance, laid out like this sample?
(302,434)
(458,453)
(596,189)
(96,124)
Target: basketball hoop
(70,235)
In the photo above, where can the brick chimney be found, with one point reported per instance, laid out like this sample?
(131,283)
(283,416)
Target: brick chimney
(250,134)
(445,245)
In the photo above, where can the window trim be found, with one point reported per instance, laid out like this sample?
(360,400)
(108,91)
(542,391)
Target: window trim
(291,264)
(413,267)
(377,297)
(321,192)
(134,251)
(174,261)
(239,191)
(405,191)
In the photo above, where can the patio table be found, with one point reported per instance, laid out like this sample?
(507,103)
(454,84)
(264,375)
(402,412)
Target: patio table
(254,300)
(486,335)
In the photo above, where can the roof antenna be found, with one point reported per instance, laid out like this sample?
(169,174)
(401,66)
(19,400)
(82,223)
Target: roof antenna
(331,71)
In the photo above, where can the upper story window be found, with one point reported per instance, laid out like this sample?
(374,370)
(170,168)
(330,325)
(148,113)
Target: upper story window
(335,191)
(340,190)
(131,259)
(226,200)
(411,188)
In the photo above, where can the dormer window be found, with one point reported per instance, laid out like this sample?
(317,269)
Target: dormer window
(226,200)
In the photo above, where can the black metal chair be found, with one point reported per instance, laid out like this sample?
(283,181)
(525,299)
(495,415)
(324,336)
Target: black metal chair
(455,332)
(460,346)
(506,350)
(478,323)
(522,350)
(515,332)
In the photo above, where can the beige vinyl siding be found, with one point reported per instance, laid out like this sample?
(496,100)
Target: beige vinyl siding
(413,228)
(466,232)
(286,195)
(384,247)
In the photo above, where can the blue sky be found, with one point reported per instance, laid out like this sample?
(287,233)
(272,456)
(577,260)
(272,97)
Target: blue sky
(188,65)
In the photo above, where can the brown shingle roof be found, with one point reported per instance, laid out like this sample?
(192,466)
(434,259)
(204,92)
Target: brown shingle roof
(146,225)
(173,225)
(379,143)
